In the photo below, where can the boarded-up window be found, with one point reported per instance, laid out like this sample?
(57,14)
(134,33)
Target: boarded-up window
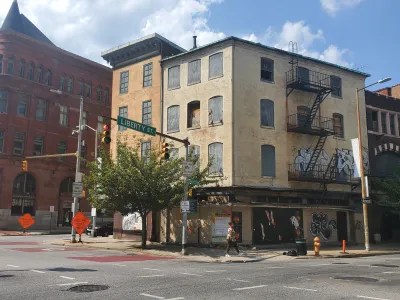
(215,110)
(173,118)
(194,71)
(174,74)
(194,152)
(193,118)
(215,158)
(336,86)
(267,112)
(267,160)
(338,125)
(216,65)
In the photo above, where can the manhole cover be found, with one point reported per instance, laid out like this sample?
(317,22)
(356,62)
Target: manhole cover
(382,265)
(88,288)
(339,263)
(355,278)
(6,276)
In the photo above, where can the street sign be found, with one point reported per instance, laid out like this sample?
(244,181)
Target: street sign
(121,121)
(77,189)
(93,212)
(185,206)
(80,222)
(26,221)
(52,208)
(187,168)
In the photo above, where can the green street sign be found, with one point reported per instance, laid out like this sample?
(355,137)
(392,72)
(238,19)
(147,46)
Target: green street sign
(121,121)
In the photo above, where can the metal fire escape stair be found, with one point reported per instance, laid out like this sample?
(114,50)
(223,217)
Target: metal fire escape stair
(314,108)
(315,154)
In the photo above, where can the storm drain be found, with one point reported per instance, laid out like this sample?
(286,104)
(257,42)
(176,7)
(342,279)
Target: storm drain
(88,288)
(383,265)
(356,278)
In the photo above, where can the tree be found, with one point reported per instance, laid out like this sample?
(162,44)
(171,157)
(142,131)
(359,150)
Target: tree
(388,190)
(131,183)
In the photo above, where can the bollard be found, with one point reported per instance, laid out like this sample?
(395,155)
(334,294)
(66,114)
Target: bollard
(317,246)
(344,247)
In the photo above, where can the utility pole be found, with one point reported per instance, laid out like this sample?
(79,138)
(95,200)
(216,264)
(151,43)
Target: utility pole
(184,212)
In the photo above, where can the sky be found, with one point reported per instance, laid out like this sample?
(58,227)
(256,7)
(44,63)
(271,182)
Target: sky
(359,34)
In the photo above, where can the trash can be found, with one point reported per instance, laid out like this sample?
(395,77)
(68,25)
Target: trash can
(301,247)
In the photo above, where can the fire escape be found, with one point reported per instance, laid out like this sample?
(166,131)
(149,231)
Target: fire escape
(307,121)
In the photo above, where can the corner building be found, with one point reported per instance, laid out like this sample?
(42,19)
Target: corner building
(277,127)
(35,121)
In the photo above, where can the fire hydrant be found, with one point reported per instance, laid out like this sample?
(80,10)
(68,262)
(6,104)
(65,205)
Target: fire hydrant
(317,246)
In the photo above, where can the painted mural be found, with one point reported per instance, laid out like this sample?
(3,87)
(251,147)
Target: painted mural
(322,227)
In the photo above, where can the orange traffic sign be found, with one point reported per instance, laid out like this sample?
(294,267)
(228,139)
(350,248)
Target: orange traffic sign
(26,221)
(80,222)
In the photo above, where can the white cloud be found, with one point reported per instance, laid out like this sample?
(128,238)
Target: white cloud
(333,6)
(251,37)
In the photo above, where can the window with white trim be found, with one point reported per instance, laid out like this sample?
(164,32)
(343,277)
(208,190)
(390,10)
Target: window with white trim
(123,82)
(146,151)
(63,116)
(146,112)
(148,74)
(123,112)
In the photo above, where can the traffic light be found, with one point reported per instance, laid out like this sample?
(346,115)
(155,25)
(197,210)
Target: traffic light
(165,151)
(106,139)
(190,192)
(25,165)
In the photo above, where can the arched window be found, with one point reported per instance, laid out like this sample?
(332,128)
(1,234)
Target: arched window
(267,112)
(48,78)
(22,68)
(215,110)
(39,76)
(10,65)
(338,125)
(267,160)
(173,118)
(31,71)
(66,186)
(215,158)
(70,84)
(193,114)
(216,62)
(23,198)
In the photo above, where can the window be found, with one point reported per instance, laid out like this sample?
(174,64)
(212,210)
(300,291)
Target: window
(88,89)
(1,64)
(99,124)
(81,88)
(215,111)
(215,65)
(193,117)
(10,66)
(70,85)
(41,110)
(336,86)
(303,74)
(48,79)
(146,151)
(62,149)
(38,145)
(173,118)
(31,71)
(267,69)
(194,71)
(19,143)
(1,141)
(22,107)
(267,160)
(21,68)
(63,115)
(67,185)
(173,153)
(372,120)
(392,125)
(174,77)
(215,156)
(338,125)
(84,119)
(107,95)
(123,112)
(23,198)
(147,74)
(3,102)
(62,83)
(123,82)
(146,112)
(39,76)
(267,112)
(383,122)
(194,152)
(99,93)
(398,124)
(303,112)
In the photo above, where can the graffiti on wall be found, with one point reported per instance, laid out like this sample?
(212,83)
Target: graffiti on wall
(320,226)
(304,156)
(359,225)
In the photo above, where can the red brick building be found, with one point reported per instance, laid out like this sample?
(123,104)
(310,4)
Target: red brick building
(36,121)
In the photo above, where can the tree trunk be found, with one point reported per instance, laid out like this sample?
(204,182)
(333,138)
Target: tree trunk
(144,230)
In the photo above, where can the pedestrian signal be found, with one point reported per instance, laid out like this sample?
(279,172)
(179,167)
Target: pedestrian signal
(24,166)
(106,138)
(165,151)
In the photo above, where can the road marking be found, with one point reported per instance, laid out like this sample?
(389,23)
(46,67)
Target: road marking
(148,276)
(218,271)
(362,265)
(119,265)
(13,266)
(66,277)
(151,296)
(320,265)
(249,287)
(37,271)
(273,268)
(71,283)
(191,274)
(240,280)
(391,272)
(151,269)
(297,288)
(366,297)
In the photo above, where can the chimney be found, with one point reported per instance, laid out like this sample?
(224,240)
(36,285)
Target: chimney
(194,42)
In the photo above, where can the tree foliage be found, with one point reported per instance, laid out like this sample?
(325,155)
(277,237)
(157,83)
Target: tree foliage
(389,190)
(130,183)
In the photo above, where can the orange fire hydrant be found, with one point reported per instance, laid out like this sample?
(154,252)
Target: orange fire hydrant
(317,246)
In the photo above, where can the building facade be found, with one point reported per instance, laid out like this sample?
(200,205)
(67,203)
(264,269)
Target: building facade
(277,128)
(40,89)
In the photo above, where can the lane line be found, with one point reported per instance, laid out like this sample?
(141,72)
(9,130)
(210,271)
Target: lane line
(151,296)
(302,289)
(119,265)
(191,274)
(71,283)
(66,277)
(13,266)
(218,271)
(366,297)
(274,268)
(388,272)
(241,280)
(179,298)
(249,287)
(320,265)
(149,276)
(37,271)
(151,269)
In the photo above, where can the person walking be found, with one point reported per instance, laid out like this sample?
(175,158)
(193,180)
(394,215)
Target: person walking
(231,240)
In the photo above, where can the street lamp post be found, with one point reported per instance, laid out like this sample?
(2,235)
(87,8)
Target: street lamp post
(360,153)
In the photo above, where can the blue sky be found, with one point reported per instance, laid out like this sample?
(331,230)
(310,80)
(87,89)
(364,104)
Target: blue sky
(360,34)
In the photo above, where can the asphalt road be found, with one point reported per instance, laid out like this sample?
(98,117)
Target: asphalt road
(31,269)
